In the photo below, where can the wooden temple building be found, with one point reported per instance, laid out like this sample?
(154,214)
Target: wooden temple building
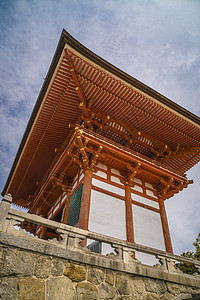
(102,151)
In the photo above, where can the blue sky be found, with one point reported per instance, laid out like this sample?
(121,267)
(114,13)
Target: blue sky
(154,41)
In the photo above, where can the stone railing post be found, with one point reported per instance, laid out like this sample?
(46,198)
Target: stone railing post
(4,209)
(167,263)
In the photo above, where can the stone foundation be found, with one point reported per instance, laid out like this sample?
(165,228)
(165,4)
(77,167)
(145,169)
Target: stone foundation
(61,269)
(27,275)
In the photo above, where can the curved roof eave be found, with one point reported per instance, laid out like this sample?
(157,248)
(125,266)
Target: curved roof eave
(66,38)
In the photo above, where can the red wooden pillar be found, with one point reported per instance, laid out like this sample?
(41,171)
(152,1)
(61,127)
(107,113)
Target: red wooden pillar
(43,233)
(66,209)
(85,201)
(167,238)
(129,214)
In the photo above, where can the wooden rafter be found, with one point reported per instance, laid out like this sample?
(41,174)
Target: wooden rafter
(83,101)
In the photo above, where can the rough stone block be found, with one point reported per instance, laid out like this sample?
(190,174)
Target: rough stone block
(1,257)
(86,290)
(95,275)
(106,291)
(31,289)
(152,285)
(130,285)
(150,296)
(177,289)
(74,272)
(110,278)
(123,284)
(59,288)
(18,262)
(137,284)
(43,266)
(9,288)
(57,267)
(166,296)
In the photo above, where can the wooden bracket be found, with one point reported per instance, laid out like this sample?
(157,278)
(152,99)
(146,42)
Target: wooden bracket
(95,157)
(133,170)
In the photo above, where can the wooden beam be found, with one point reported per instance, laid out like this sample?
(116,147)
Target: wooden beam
(43,233)
(85,200)
(134,134)
(83,101)
(66,209)
(165,227)
(129,215)
(46,183)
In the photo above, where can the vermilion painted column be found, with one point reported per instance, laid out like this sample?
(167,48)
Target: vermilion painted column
(129,214)
(85,201)
(43,233)
(67,202)
(167,238)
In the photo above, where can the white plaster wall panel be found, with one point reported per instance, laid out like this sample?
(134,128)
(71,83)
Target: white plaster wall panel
(107,215)
(116,172)
(144,200)
(101,174)
(75,184)
(63,199)
(147,228)
(149,185)
(136,180)
(150,193)
(82,175)
(115,179)
(76,178)
(101,166)
(137,188)
(108,187)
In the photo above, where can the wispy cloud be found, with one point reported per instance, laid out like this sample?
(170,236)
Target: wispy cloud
(155,41)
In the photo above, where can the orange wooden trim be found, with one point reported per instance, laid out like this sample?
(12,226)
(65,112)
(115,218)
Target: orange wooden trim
(43,232)
(123,187)
(79,90)
(145,206)
(98,189)
(109,174)
(131,155)
(144,195)
(129,215)
(85,201)
(66,209)
(76,187)
(108,181)
(52,234)
(165,227)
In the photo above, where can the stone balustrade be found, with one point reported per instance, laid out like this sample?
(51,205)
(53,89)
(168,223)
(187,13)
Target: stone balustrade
(68,246)
(71,238)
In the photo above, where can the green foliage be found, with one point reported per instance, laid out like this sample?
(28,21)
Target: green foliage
(187,268)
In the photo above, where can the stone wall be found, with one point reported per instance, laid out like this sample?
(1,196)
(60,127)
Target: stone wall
(33,268)
(28,275)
